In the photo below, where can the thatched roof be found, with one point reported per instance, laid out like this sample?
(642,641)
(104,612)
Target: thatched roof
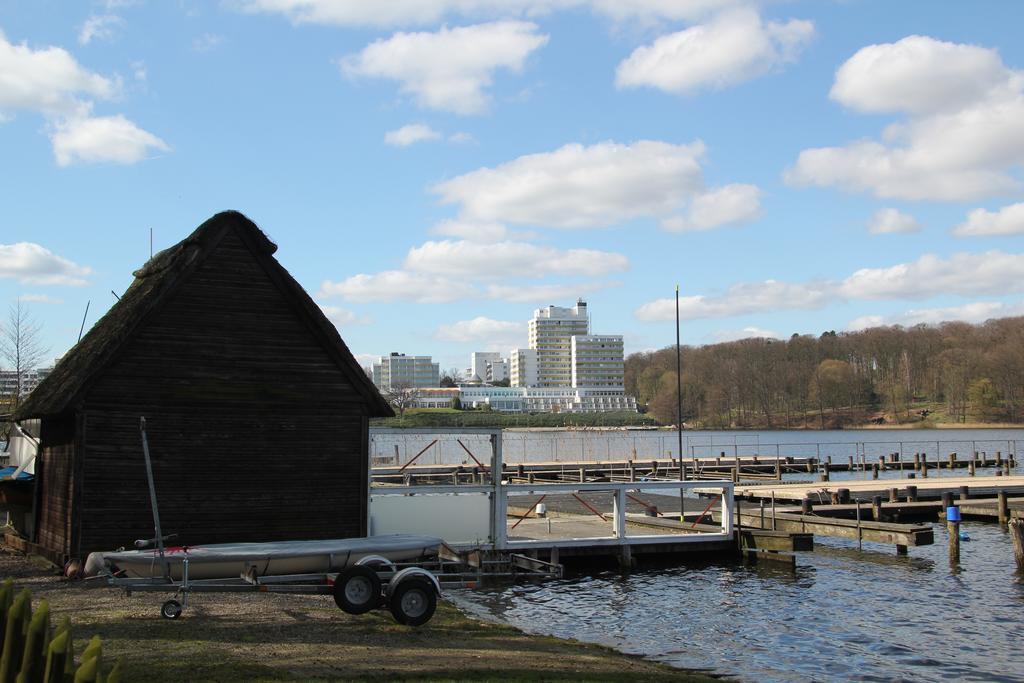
(155,283)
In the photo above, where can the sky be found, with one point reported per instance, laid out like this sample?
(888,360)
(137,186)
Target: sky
(434,170)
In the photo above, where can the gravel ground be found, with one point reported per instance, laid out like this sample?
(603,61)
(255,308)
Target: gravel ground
(245,637)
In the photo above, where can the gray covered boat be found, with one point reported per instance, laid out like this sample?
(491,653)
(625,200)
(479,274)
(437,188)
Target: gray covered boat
(230,560)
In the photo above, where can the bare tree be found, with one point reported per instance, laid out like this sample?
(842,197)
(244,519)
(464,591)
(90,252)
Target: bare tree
(451,378)
(401,396)
(21,346)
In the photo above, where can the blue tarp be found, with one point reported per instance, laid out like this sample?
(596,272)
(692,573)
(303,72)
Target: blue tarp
(6,472)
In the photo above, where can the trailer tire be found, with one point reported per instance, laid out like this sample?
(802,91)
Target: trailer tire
(413,602)
(357,590)
(170,609)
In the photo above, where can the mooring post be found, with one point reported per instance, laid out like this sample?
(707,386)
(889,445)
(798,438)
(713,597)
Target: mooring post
(953,527)
(844,496)
(911,494)
(971,468)
(924,469)
(917,461)
(874,471)
(850,468)
(1002,508)
(632,470)
(583,475)
(778,468)
(876,508)
(806,506)
(1017,534)
(952,460)
(860,538)
(947,499)
(1006,468)
(965,492)
(773,510)
(894,495)
(999,458)
(901,549)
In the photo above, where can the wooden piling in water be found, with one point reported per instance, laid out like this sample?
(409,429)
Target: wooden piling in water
(911,494)
(970,467)
(954,542)
(894,495)
(806,506)
(1002,508)
(924,469)
(952,460)
(876,508)
(844,496)
(999,459)
(1017,534)
(874,471)
(965,492)
(917,461)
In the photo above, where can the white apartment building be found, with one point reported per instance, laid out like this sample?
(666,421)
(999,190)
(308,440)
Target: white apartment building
(523,367)
(30,379)
(598,361)
(487,366)
(398,369)
(551,331)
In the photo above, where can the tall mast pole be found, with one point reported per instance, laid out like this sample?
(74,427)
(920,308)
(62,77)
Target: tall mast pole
(679,392)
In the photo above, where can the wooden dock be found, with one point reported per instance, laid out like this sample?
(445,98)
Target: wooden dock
(821,492)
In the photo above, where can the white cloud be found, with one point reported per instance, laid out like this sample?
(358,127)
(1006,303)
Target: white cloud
(463,258)
(920,75)
(891,221)
(449,69)
(410,134)
(580,187)
(544,294)
(99,27)
(964,135)
(207,42)
(729,205)
(41,299)
(751,332)
(742,298)
(112,139)
(733,47)
(342,317)
(468,230)
(48,80)
(1008,220)
(976,312)
(461,138)
(486,331)
(422,12)
(32,264)
(397,285)
(963,274)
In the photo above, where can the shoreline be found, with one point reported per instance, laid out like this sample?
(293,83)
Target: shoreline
(267,637)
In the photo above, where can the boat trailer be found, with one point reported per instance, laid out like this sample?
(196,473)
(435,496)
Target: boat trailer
(408,589)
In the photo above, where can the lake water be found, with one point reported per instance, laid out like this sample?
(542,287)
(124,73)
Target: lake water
(571,446)
(843,614)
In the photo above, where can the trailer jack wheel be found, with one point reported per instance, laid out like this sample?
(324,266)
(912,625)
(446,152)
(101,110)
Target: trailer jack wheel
(170,609)
(413,602)
(357,590)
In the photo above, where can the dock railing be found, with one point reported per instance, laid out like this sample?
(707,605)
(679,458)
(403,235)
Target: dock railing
(478,515)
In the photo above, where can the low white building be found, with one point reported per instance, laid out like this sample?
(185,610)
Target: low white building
(487,366)
(529,399)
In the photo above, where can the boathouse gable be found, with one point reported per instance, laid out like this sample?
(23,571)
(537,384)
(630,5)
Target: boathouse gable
(256,412)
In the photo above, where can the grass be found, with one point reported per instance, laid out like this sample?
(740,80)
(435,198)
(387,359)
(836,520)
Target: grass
(268,637)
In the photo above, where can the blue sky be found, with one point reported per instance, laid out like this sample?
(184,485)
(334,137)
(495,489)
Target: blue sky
(433,170)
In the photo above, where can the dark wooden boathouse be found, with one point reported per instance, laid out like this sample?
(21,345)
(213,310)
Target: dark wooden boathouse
(256,410)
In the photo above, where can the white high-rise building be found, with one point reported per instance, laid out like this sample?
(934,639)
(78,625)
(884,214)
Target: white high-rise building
(400,370)
(598,361)
(479,362)
(523,367)
(551,332)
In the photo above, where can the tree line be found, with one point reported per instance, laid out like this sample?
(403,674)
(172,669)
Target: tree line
(894,374)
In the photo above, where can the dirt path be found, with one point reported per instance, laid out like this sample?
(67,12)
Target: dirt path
(226,637)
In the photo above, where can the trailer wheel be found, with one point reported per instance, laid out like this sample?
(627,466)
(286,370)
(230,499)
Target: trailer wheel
(413,602)
(170,609)
(357,590)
